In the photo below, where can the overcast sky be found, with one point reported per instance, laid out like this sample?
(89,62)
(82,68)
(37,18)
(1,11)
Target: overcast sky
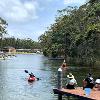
(30,18)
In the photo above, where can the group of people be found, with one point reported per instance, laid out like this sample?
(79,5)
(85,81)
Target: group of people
(88,82)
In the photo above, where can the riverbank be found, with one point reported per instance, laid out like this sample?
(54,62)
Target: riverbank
(24,53)
(5,56)
(2,58)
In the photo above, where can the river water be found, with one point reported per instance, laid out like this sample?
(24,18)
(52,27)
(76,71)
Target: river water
(13,79)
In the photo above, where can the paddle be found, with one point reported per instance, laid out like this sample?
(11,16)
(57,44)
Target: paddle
(26,71)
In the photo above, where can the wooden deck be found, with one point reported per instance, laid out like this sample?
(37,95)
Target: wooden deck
(79,93)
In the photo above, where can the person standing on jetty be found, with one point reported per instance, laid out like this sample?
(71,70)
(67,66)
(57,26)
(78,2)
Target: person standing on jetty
(97,83)
(71,81)
(88,84)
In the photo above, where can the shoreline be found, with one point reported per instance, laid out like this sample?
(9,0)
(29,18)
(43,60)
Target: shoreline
(23,53)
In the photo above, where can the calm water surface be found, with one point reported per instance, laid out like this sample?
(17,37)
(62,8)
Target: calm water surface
(13,79)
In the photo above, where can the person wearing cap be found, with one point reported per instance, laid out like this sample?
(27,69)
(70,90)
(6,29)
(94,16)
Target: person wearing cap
(97,83)
(71,81)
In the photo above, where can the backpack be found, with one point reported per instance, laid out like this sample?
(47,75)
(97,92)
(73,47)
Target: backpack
(91,80)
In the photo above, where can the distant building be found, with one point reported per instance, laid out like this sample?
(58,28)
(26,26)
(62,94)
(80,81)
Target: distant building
(9,50)
(37,50)
(23,50)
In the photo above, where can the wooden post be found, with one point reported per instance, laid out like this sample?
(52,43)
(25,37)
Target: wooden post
(59,96)
(59,78)
(59,82)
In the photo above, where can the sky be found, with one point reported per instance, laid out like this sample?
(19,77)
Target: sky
(30,18)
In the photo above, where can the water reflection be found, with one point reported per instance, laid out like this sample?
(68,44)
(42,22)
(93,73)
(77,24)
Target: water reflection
(14,83)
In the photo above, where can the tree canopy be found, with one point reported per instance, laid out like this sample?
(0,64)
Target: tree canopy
(12,41)
(3,26)
(19,43)
(75,35)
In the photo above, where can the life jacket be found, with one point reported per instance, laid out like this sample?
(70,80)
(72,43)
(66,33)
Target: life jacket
(31,79)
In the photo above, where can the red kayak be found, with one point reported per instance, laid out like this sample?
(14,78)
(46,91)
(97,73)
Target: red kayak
(31,79)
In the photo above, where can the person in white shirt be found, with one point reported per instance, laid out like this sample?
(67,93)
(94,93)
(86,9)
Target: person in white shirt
(71,82)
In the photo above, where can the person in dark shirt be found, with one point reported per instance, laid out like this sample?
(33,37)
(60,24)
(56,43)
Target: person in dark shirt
(88,82)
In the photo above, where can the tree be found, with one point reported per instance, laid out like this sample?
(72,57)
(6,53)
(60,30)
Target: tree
(3,31)
(75,35)
(3,26)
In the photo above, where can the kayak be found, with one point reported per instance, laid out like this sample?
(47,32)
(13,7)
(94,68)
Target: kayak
(31,79)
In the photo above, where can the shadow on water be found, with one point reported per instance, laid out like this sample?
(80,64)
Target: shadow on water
(13,79)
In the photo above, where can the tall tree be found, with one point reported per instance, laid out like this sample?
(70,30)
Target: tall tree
(3,30)
(3,26)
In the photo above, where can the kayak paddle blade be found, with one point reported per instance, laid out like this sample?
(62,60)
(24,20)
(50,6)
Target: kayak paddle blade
(26,71)
(38,79)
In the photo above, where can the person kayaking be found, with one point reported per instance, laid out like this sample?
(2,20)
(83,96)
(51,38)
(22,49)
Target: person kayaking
(71,84)
(31,77)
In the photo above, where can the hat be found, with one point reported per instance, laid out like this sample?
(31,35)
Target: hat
(70,76)
(97,81)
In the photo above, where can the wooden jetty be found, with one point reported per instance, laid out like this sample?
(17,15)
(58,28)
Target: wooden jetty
(78,92)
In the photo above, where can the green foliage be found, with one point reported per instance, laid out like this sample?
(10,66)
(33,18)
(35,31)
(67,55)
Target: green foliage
(20,43)
(75,34)
(3,26)
(17,43)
